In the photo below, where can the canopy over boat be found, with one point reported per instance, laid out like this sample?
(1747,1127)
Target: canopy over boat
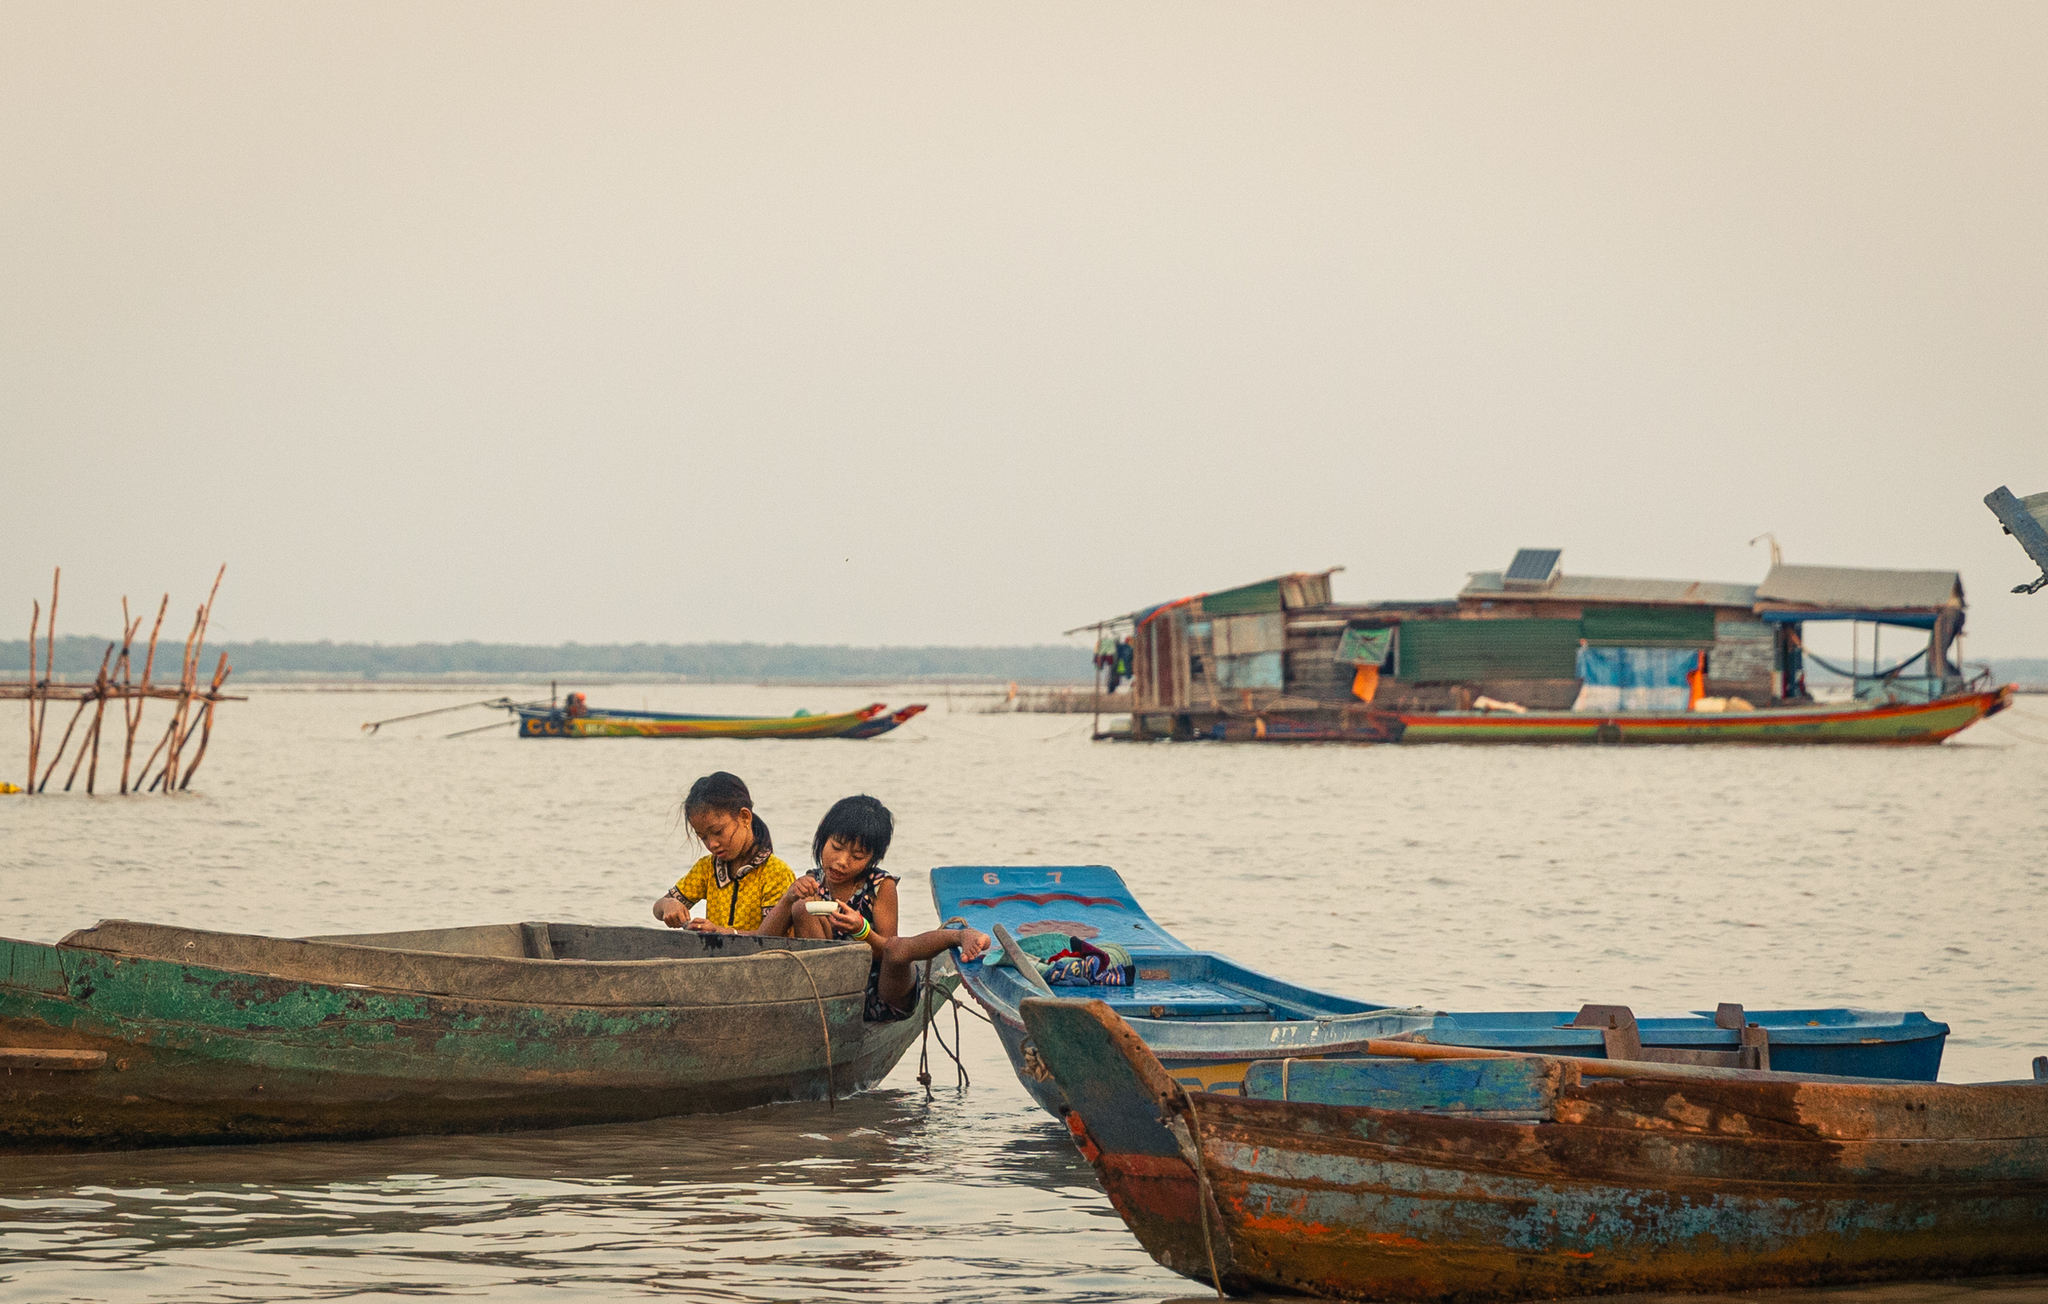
(1476,1179)
(1207,1017)
(178,1036)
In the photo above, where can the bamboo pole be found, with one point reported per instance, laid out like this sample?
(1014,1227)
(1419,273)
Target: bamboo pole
(220,675)
(62,743)
(35,625)
(193,649)
(127,641)
(87,743)
(49,674)
(135,717)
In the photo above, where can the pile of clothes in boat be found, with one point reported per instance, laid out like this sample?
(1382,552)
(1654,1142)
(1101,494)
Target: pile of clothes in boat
(1066,961)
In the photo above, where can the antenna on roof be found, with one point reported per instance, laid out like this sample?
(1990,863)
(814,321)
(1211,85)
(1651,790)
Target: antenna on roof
(1777,554)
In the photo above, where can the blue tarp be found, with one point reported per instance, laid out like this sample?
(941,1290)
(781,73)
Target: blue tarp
(1635,678)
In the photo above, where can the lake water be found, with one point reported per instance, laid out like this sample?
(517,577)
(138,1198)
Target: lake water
(1666,879)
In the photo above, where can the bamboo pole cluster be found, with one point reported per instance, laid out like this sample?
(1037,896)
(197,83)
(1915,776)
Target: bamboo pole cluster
(165,768)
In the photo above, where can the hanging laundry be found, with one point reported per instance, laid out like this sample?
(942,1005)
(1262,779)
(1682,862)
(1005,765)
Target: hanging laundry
(1120,667)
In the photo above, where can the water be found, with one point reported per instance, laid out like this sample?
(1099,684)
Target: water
(1666,879)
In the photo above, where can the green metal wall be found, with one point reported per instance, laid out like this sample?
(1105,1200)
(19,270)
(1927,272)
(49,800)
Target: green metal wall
(1249,600)
(1649,626)
(1433,650)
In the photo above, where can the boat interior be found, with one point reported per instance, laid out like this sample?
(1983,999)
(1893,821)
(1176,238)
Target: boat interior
(545,941)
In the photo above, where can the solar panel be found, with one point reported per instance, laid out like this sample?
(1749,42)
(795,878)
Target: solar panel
(1534,565)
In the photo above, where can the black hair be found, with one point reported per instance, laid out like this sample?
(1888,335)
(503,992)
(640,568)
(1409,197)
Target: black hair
(726,792)
(861,822)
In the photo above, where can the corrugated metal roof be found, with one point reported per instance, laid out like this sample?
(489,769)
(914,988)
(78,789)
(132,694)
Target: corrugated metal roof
(1855,588)
(1608,588)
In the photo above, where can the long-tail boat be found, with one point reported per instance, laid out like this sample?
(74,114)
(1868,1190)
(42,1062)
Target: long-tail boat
(538,720)
(1478,1179)
(131,1034)
(1207,1017)
(1850,722)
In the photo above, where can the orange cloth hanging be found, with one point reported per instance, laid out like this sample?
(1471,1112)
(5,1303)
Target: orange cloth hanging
(1365,683)
(1697,680)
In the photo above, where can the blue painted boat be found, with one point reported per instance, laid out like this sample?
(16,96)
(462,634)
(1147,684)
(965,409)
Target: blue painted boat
(1474,1176)
(1206,1016)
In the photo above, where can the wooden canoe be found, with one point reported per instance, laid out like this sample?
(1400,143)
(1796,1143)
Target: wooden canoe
(1207,1017)
(1510,1178)
(542,721)
(1894,723)
(208,1037)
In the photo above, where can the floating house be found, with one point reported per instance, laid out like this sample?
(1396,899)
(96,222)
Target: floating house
(1281,659)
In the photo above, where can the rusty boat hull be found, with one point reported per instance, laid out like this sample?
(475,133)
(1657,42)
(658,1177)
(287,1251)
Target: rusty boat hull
(1525,1176)
(134,1035)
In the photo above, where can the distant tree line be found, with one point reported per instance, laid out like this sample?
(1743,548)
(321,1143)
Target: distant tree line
(79,658)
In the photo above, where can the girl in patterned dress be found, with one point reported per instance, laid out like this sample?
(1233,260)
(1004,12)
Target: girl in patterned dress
(851,841)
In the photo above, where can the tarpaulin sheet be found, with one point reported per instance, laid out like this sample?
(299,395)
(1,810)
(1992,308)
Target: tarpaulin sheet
(1635,678)
(1364,647)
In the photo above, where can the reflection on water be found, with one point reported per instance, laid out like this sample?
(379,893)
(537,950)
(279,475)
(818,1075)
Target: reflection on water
(969,1198)
(1469,878)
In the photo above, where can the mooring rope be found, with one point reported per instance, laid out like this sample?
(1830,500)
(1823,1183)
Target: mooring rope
(1207,1196)
(824,1026)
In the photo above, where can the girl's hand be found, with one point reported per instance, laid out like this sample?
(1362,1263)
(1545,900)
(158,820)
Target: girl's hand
(671,912)
(706,926)
(974,944)
(802,890)
(847,918)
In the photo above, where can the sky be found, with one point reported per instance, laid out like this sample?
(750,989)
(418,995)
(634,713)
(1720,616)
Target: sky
(965,324)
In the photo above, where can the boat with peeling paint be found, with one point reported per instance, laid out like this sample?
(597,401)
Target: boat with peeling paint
(1490,1177)
(1207,1017)
(131,1034)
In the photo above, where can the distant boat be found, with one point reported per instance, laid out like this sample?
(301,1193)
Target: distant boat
(538,720)
(1860,722)
(1207,1017)
(128,1034)
(1426,1177)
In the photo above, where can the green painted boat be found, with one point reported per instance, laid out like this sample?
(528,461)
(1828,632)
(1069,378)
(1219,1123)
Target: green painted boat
(128,1035)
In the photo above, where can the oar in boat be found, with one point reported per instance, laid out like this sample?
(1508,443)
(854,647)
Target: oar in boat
(374,725)
(1017,956)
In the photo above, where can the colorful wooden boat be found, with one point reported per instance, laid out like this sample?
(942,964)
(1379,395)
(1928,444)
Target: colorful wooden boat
(1208,1017)
(1528,1177)
(130,1034)
(541,721)
(1901,722)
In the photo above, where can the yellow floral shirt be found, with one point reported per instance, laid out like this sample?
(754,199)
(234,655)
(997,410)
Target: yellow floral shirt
(742,905)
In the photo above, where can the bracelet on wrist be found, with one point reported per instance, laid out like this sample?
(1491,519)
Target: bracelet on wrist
(865,929)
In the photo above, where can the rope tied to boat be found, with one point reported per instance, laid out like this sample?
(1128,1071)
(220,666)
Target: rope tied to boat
(1207,1195)
(924,1071)
(824,1025)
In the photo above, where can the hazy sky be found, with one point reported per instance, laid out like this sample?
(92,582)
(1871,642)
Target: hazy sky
(966,323)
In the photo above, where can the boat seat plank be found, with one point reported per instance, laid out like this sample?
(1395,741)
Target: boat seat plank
(1172,998)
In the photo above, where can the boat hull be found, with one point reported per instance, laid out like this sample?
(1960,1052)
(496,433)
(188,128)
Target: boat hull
(1896,723)
(1569,1185)
(259,1039)
(543,723)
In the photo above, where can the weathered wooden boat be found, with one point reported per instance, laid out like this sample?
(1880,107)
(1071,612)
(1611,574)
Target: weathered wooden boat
(132,1034)
(538,720)
(1530,1177)
(1207,1017)
(1851,722)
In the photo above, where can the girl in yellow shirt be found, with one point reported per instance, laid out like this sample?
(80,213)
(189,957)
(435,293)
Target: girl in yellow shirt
(741,877)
